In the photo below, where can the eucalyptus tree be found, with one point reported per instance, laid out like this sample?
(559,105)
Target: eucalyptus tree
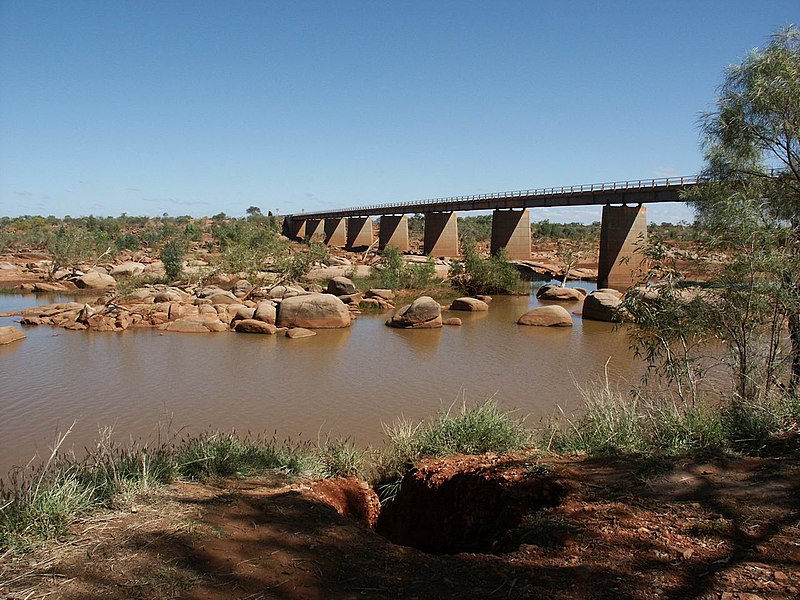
(750,203)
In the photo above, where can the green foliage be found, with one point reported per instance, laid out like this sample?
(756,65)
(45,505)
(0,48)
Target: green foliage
(494,275)
(393,272)
(172,257)
(68,247)
(296,265)
(468,430)
(745,206)
(475,229)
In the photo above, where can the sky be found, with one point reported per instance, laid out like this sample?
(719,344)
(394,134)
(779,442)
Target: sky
(195,108)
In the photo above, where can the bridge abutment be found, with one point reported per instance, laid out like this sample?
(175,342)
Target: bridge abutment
(393,232)
(511,229)
(335,232)
(441,234)
(294,228)
(623,229)
(359,232)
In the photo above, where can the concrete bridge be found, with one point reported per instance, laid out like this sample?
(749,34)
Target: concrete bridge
(624,221)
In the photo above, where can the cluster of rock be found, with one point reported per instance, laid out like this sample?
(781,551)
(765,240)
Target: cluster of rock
(600,305)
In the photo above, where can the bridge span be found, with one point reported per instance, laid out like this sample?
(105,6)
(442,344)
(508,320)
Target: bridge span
(624,221)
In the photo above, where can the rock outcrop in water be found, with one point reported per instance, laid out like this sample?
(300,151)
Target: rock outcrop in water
(423,313)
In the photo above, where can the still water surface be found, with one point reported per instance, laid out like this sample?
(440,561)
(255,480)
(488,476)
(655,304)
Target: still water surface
(341,382)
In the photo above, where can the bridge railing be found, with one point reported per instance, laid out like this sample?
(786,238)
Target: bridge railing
(589,188)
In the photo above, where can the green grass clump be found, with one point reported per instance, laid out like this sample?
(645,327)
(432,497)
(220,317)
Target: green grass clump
(468,430)
(39,504)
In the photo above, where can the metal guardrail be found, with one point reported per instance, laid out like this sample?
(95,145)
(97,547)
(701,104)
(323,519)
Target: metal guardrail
(659,183)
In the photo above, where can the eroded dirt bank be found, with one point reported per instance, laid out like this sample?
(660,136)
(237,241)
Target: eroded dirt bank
(634,528)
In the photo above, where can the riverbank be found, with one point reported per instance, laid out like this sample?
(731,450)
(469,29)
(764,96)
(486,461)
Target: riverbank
(249,516)
(719,527)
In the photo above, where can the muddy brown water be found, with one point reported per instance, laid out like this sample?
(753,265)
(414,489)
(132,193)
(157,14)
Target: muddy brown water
(339,383)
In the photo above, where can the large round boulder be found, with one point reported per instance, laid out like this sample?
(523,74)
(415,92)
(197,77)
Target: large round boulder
(559,293)
(313,311)
(469,304)
(422,313)
(547,316)
(602,305)
(341,286)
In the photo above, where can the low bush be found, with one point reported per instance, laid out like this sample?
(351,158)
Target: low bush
(494,275)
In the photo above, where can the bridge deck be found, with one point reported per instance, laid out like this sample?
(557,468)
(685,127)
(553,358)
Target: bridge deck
(641,191)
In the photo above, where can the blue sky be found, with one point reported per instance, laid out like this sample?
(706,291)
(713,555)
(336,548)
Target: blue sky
(196,108)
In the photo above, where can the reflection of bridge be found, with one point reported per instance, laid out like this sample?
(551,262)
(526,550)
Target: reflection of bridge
(624,221)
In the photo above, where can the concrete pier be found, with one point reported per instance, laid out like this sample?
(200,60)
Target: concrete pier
(335,232)
(511,229)
(441,234)
(315,230)
(623,229)
(294,228)
(393,231)
(359,232)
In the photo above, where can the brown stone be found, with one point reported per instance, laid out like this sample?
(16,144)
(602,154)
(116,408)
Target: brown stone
(254,326)
(469,304)
(299,332)
(547,316)
(454,321)
(187,326)
(313,311)
(602,305)
(9,335)
(341,286)
(423,313)
(559,293)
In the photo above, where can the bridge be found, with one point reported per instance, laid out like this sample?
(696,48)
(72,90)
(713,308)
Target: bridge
(624,221)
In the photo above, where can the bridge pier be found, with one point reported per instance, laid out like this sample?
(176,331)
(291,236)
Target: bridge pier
(359,232)
(294,228)
(335,232)
(441,234)
(315,230)
(511,229)
(622,230)
(393,231)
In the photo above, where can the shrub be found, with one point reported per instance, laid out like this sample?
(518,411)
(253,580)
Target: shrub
(494,275)
(395,273)
(172,257)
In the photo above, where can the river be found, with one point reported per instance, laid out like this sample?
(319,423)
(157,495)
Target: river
(343,382)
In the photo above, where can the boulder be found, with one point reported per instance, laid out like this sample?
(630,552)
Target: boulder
(95,280)
(382,293)
(558,293)
(313,311)
(469,304)
(547,316)
(128,269)
(44,287)
(341,286)
(169,295)
(299,332)
(484,297)
(9,335)
(187,326)
(422,313)
(242,313)
(602,305)
(253,326)
(241,287)
(266,312)
(455,321)
(285,291)
(223,298)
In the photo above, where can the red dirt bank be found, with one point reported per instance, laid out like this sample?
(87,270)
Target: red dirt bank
(726,528)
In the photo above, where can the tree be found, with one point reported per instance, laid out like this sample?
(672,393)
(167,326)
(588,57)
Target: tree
(752,194)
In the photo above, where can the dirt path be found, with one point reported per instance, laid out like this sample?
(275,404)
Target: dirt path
(721,528)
